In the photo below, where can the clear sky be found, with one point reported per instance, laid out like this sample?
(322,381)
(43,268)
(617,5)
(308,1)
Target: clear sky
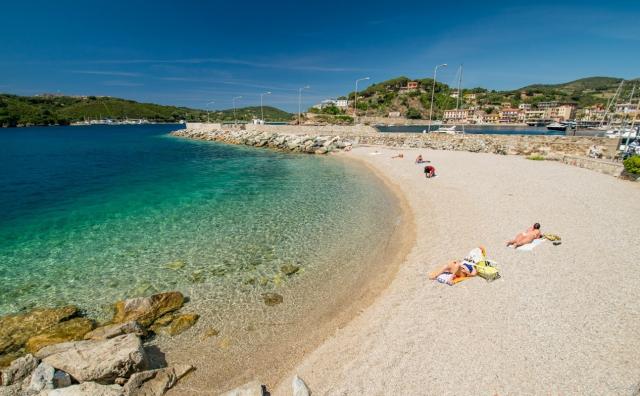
(190,52)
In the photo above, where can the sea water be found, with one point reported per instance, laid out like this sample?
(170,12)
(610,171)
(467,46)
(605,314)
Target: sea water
(91,215)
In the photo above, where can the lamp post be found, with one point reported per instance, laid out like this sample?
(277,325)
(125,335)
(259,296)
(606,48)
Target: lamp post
(433,90)
(300,101)
(355,100)
(209,110)
(235,120)
(261,110)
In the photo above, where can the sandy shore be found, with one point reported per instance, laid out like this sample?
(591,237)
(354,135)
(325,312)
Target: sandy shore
(561,320)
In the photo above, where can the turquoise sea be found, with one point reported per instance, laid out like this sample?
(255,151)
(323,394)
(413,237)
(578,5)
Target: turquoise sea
(90,215)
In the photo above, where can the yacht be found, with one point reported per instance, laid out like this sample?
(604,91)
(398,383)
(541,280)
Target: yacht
(556,126)
(450,130)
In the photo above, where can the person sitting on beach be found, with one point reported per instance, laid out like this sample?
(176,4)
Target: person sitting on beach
(429,171)
(527,236)
(398,156)
(458,268)
(419,160)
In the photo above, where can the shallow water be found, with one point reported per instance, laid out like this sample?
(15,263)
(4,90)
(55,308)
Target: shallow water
(94,214)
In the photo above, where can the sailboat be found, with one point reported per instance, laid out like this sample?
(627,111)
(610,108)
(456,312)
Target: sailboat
(452,129)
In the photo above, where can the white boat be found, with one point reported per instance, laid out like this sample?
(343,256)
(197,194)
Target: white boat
(556,126)
(450,130)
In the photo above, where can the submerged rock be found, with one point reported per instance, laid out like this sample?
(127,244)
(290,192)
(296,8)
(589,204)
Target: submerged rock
(145,310)
(289,269)
(176,265)
(16,329)
(70,330)
(99,361)
(177,325)
(211,332)
(116,329)
(19,370)
(272,299)
(155,382)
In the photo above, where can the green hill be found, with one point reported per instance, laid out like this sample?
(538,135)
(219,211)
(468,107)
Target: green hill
(388,96)
(63,110)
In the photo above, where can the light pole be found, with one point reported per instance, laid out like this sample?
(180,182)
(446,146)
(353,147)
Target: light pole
(235,120)
(209,110)
(433,90)
(300,101)
(355,101)
(261,110)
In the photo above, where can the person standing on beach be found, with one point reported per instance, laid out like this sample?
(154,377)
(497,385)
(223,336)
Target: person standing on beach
(527,236)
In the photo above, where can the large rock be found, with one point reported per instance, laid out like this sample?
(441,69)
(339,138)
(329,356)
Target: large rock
(253,388)
(20,369)
(179,324)
(86,389)
(16,329)
(116,329)
(69,330)
(99,361)
(145,310)
(155,382)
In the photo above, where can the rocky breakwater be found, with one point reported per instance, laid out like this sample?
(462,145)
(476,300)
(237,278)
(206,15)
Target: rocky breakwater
(274,140)
(56,351)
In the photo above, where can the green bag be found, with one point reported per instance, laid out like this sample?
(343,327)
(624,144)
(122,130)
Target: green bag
(487,270)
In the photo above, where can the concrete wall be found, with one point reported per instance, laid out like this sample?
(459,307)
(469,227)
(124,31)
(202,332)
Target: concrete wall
(606,167)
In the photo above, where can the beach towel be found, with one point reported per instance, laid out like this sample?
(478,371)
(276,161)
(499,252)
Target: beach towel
(446,277)
(529,246)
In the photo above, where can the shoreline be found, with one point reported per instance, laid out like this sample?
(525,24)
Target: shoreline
(290,352)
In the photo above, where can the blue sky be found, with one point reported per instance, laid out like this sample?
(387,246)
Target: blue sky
(191,52)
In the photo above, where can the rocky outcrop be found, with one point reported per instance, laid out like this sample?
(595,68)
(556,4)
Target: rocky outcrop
(19,370)
(69,330)
(16,329)
(99,361)
(155,382)
(86,389)
(116,329)
(145,310)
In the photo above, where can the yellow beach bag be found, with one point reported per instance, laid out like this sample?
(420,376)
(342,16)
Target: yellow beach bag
(487,270)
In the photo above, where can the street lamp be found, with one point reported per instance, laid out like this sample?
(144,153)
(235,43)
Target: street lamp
(355,100)
(235,120)
(300,101)
(261,110)
(433,90)
(209,110)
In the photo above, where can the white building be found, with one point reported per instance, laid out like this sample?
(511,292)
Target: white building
(524,106)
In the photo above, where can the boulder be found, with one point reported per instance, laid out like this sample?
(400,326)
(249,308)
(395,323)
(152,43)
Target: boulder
(145,310)
(16,329)
(100,361)
(299,387)
(178,325)
(70,330)
(253,388)
(116,329)
(20,369)
(86,389)
(41,378)
(155,382)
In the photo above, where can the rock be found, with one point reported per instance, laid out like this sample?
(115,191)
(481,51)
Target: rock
(100,361)
(210,333)
(155,382)
(289,269)
(145,310)
(178,325)
(253,388)
(114,330)
(86,389)
(70,330)
(299,387)
(16,329)
(61,379)
(20,369)
(42,378)
(176,265)
(272,299)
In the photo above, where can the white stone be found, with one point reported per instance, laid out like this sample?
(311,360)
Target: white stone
(42,378)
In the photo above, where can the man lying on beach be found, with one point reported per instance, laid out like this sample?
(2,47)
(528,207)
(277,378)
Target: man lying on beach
(398,156)
(527,236)
(459,269)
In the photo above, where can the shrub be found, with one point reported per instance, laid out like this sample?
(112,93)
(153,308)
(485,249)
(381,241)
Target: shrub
(536,157)
(632,165)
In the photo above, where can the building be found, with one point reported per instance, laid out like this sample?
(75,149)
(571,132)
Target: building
(411,86)
(455,94)
(593,113)
(535,115)
(342,104)
(480,117)
(626,108)
(562,113)
(458,116)
(524,106)
(394,114)
(546,105)
(509,115)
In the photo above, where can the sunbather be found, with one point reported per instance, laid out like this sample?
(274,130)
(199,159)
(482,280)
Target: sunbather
(527,236)
(420,160)
(459,269)
(398,156)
